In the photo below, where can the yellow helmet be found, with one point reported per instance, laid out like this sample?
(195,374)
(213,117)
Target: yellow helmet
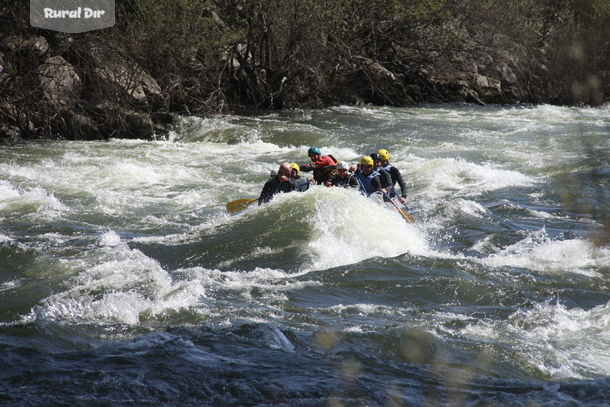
(366,160)
(384,154)
(295,166)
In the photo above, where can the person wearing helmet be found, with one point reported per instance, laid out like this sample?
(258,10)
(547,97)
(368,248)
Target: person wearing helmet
(394,174)
(384,175)
(301,181)
(278,184)
(323,167)
(342,178)
(368,179)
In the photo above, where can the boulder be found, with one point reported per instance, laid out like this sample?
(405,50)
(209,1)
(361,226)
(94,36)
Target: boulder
(114,72)
(83,127)
(139,125)
(16,44)
(122,122)
(10,134)
(507,74)
(59,81)
(15,121)
(470,96)
(487,84)
(489,89)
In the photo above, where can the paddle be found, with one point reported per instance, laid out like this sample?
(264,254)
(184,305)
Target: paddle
(404,214)
(240,204)
(405,205)
(362,188)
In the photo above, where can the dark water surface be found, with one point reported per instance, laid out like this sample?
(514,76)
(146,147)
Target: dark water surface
(124,281)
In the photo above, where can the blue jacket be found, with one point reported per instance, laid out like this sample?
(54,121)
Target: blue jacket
(371,182)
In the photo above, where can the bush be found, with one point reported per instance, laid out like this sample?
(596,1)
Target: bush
(233,55)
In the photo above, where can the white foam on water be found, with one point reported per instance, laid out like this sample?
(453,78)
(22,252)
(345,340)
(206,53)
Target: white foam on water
(36,202)
(460,206)
(5,238)
(274,282)
(256,296)
(350,228)
(540,253)
(110,239)
(123,287)
(369,310)
(443,178)
(7,192)
(10,285)
(542,215)
(552,340)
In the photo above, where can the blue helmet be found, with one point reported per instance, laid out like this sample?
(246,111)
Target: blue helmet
(314,150)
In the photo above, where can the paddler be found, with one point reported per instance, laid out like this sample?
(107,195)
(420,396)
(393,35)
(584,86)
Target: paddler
(394,174)
(342,178)
(384,175)
(323,167)
(279,184)
(367,177)
(301,181)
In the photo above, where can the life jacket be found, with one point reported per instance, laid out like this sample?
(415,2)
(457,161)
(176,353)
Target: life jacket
(366,181)
(385,177)
(302,182)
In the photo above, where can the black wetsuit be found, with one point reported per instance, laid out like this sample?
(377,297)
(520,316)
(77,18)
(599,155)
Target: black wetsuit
(397,178)
(385,178)
(274,186)
(349,181)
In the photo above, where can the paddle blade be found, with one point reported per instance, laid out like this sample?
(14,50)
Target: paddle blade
(406,216)
(240,204)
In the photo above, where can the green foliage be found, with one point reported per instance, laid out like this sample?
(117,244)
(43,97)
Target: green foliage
(602,8)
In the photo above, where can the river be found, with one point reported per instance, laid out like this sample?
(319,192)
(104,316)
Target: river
(124,281)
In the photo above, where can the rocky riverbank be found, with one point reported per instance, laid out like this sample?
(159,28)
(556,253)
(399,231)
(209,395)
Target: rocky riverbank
(128,80)
(101,95)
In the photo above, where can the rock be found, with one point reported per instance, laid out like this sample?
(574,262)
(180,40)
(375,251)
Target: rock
(116,72)
(9,133)
(489,89)
(37,46)
(63,43)
(471,96)
(83,127)
(382,72)
(507,74)
(60,82)
(9,111)
(15,120)
(3,63)
(125,123)
(139,125)
(487,84)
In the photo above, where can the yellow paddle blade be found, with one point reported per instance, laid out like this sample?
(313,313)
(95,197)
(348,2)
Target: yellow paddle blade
(240,204)
(406,216)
